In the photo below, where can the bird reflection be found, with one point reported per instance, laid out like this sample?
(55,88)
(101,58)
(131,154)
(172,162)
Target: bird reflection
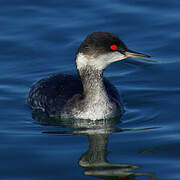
(94,160)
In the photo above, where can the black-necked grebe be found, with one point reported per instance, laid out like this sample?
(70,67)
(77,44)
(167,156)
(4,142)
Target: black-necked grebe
(89,95)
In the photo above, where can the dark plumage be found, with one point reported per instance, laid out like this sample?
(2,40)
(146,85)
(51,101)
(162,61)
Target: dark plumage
(99,42)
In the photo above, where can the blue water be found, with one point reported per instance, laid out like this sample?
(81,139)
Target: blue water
(39,38)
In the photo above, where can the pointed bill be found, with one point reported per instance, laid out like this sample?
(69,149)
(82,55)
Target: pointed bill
(133,54)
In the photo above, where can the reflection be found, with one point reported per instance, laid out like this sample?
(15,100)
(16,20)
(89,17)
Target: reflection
(94,160)
(95,163)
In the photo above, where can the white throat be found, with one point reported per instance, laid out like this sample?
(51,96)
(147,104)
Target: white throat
(100,62)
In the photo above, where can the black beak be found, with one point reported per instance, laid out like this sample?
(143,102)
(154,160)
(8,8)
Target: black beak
(129,53)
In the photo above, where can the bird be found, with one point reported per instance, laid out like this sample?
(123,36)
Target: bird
(87,95)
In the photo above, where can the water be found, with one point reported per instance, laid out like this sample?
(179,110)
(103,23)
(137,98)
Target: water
(39,38)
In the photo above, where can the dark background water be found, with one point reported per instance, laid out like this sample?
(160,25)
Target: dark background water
(39,38)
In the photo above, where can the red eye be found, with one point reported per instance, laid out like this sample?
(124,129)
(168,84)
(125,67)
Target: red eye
(113,47)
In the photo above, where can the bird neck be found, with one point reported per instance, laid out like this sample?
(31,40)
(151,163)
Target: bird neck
(92,80)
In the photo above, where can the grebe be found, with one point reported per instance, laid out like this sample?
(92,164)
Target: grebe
(88,95)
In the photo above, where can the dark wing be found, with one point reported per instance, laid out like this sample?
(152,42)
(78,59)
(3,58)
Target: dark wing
(52,93)
(111,90)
